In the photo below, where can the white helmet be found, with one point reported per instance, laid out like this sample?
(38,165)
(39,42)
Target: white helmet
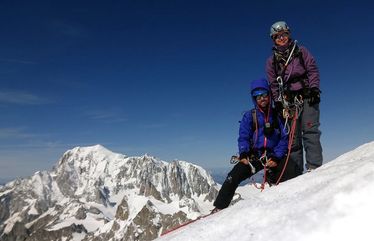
(279,27)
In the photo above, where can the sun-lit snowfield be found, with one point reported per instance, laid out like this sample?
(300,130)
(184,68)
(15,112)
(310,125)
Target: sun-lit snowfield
(334,202)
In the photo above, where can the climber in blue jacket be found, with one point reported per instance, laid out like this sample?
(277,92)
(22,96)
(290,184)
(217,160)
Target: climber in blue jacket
(262,143)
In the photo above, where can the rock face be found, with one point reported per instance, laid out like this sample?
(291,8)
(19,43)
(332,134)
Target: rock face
(95,194)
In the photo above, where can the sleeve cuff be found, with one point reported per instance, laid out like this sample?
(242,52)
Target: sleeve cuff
(244,155)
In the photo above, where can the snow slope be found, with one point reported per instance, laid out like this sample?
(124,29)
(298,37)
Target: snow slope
(334,202)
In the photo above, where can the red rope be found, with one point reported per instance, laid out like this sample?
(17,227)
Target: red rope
(185,224)
(290,141)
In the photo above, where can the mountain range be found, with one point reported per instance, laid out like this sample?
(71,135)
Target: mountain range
(95,194)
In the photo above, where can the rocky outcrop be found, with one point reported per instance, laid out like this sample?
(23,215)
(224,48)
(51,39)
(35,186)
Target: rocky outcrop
(56,235)
(122,212)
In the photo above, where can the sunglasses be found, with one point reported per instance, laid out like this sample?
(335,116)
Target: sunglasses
(259,97)
(281,36)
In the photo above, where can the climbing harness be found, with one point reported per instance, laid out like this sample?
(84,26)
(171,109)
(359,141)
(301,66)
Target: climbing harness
(292,105)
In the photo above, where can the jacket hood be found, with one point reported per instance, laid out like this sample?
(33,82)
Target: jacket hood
(259,84)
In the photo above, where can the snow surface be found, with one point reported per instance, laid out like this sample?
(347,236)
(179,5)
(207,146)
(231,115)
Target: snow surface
(334,202)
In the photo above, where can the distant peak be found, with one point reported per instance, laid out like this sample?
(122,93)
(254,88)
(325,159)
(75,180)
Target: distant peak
(95,153)
(146,155)
(96,147)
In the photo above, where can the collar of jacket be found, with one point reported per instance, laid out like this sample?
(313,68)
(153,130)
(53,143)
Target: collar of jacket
(282,49)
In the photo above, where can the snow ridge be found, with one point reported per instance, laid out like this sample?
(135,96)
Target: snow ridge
(333,202)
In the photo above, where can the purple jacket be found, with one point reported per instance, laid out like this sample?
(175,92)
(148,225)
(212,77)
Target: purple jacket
(294,69)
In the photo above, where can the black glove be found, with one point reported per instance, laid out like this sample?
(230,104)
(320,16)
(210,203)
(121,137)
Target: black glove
(278,107)
(314,96)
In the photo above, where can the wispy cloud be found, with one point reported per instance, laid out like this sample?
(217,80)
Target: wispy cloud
(20,98)
(14,133)
(108,116)
(71,82)
(154,125)
(17,61)
(68,29)
(21,139)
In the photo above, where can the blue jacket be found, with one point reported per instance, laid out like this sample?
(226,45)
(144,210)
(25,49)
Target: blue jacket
(250,141)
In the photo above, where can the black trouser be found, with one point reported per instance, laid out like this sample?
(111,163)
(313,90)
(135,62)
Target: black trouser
(307,137)
(307,134)
(240,172)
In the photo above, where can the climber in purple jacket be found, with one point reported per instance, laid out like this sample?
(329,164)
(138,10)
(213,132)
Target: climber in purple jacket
(295,85)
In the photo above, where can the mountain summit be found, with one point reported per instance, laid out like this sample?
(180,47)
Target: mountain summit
(95,194)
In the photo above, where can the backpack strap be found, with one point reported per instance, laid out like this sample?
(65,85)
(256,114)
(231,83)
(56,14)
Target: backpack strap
(305,75)
(254,119)
(275,119)
(301,57)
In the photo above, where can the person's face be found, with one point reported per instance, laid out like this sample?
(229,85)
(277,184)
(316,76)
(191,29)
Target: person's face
(281,38)
(262,100)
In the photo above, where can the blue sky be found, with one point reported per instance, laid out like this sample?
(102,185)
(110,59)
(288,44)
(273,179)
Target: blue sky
(168,78)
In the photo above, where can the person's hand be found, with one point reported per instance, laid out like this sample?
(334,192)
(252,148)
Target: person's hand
(270,163)
(244,157)
(245,161)
(314,96)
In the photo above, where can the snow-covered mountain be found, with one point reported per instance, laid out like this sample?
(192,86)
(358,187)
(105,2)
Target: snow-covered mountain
(334,202)
(95,194)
